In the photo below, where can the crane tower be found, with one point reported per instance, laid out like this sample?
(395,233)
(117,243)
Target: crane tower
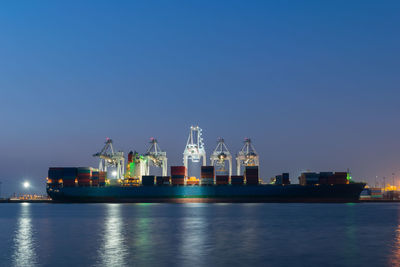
(156,157)
(219,157)
(194,149)
(109,158)
(247,156)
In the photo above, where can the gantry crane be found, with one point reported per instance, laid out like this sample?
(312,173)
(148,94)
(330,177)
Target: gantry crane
(247,156)
(194,149)
(109,158)
(155,157)
(219,157)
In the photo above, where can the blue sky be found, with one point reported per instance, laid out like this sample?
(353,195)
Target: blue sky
(315,84)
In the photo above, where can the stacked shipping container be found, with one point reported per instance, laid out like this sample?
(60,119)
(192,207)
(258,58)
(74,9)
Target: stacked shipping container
(65,176)
(148,180)
(178,175)
(71,176)
(84,176)
(166,180)
(311,178)
(251,175)
(95,178)
(237,180)
(222,179)
(285,178)
(207,175)
(102,178)
(282,179)
(376,192)
(160,180)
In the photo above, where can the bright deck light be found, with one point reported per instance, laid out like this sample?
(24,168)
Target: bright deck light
(26,184)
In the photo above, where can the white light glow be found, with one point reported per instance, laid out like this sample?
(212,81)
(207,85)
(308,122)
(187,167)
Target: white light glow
(26,184)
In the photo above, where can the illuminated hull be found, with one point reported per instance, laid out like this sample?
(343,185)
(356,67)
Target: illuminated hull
(212,194)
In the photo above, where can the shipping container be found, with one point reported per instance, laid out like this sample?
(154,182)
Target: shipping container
(84,182)
(252,181)
(177,181)
(160,180)
(278,179)
(207,181)
(178,170)
(207,169)
(207,172)
(251,169)
(166,180)
(325,174)
(148,180)
(69,183)
(323,180)
(251,175)
(222,178)
(285,178)
(178,176)
(237,180)
(67,173)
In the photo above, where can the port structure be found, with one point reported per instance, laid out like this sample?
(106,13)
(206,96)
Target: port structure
(155,157)
(220,156)
(247,156)
(136,166)
(109,158)
(194,149)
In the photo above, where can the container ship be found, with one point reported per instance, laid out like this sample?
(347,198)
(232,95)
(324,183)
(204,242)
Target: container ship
(113,182)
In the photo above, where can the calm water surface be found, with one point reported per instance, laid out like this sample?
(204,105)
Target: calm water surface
(200,234)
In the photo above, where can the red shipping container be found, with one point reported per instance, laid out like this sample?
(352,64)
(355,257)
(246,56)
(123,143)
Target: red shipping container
(178,170)
(179,181)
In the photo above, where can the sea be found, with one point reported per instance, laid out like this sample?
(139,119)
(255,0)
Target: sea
(270,234)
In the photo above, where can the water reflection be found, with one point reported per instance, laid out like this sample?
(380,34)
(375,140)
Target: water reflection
(24,243)
(395,258)
(351,248)
(142,228)
(113,251)
(194,234)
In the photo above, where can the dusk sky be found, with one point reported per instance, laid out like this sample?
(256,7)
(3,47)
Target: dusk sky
(315,84)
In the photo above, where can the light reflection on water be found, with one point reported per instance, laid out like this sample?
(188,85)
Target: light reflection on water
(113,252)
(194,233)
(142,230)
(200,235)
(395,257)
(24,243)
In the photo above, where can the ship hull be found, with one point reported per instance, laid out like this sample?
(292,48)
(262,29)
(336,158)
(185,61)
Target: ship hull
(341,193)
